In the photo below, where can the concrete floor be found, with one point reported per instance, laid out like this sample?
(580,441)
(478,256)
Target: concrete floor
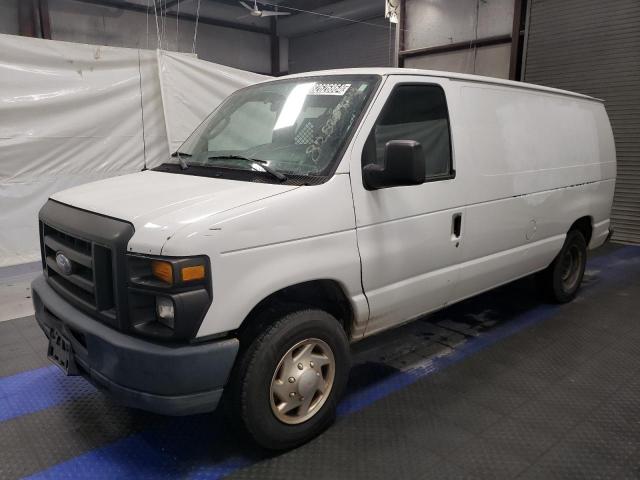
(499,386)
(15,290)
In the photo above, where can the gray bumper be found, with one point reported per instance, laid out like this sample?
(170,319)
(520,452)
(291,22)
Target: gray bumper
(161,378)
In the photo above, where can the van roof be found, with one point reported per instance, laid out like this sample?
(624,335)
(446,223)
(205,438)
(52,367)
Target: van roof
(442,74)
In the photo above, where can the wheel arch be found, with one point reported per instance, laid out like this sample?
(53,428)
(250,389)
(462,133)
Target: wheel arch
(585,226)
(324,294)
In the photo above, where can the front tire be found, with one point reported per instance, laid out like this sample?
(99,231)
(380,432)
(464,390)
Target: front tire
(290,378)
(561,280)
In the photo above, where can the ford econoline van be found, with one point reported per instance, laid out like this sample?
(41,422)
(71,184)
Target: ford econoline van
(308,212)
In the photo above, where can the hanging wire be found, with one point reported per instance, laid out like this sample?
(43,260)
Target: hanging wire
(475,45)
(390,45)
(160,21)
(286,7)
(144,137)
(147,24)
(177,28)
(163,20)
(195,32)
(159,39)
(165,27)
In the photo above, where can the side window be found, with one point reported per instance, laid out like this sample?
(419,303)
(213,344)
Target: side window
(414,112)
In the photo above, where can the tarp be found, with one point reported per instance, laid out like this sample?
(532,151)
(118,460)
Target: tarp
(73,113)
(189,94)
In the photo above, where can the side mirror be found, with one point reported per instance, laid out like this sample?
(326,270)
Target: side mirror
(403,165)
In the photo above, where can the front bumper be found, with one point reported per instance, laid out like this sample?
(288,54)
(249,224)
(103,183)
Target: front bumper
(161,378)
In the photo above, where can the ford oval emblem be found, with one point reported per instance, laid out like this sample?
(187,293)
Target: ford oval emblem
(64,263)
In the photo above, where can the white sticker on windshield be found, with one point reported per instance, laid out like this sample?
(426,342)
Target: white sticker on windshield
(330,89)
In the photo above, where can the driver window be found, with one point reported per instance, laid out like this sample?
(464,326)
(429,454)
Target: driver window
(415,112)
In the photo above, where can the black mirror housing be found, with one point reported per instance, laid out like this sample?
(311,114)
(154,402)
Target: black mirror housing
(403,165)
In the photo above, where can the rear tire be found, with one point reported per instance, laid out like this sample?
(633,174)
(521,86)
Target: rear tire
(561,280)
(261,387)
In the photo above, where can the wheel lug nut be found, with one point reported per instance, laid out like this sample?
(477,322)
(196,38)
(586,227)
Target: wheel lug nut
(292,394)
(317,374)
(300,366)
(311,364)
(291,379)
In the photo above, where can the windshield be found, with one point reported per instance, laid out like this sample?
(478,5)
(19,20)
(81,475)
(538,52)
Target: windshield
(294,127)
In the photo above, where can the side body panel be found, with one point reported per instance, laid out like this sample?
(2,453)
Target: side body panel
(257,249)
(540,161)
(528,165)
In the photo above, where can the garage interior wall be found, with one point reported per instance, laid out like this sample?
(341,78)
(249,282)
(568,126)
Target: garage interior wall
(367,44)
(441,36)
(590,47)
(9,17)
(80,22)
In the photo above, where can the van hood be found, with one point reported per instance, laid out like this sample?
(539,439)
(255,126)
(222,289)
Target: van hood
(158,204)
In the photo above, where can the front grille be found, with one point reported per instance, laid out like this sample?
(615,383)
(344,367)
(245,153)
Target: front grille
(91,280)
(95,246)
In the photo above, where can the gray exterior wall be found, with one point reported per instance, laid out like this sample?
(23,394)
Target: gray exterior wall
(354,45)
(593,47)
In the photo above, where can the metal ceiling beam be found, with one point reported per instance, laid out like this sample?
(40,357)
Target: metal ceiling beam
(453,47)
(274,44)
(517,36)
(184,16)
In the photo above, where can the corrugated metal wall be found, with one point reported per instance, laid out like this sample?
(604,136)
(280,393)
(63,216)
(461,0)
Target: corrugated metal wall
(356,45)
(593,47)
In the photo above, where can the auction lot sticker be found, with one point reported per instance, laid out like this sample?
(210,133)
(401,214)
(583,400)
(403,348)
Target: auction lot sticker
(330,89)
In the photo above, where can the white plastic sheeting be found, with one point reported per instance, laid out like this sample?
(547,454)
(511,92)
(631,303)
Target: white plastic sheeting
(73,113)
(189,94)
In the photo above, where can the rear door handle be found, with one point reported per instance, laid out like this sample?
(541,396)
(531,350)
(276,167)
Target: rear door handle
(456,227)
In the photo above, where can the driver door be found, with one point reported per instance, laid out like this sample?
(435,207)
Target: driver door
(410,237)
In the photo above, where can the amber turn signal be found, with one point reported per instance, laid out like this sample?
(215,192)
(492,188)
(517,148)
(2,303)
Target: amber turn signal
(193,273)
(162,271)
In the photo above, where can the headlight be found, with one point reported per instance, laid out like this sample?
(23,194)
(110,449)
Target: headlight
(165,311)
(168,296)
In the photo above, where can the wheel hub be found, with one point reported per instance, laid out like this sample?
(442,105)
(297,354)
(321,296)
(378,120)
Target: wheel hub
(302,381)
(308,383)
(570,269)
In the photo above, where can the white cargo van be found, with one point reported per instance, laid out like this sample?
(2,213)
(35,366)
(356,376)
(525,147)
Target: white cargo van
(308,212)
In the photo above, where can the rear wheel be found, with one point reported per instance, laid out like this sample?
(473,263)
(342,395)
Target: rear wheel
(561,280)
(290,378)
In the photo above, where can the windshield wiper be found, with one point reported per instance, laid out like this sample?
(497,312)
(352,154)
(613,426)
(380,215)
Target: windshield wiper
(263,164)
(183,163)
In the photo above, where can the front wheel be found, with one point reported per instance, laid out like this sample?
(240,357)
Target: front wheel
(561,280)
(290,378)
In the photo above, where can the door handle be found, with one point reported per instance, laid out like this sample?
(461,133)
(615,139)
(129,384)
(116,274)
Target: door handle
(456,228)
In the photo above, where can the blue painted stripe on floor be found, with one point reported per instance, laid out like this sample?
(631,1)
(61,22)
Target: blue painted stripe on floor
(35,390)
(177,449)
(131,457)
(365,397)
(172,450)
